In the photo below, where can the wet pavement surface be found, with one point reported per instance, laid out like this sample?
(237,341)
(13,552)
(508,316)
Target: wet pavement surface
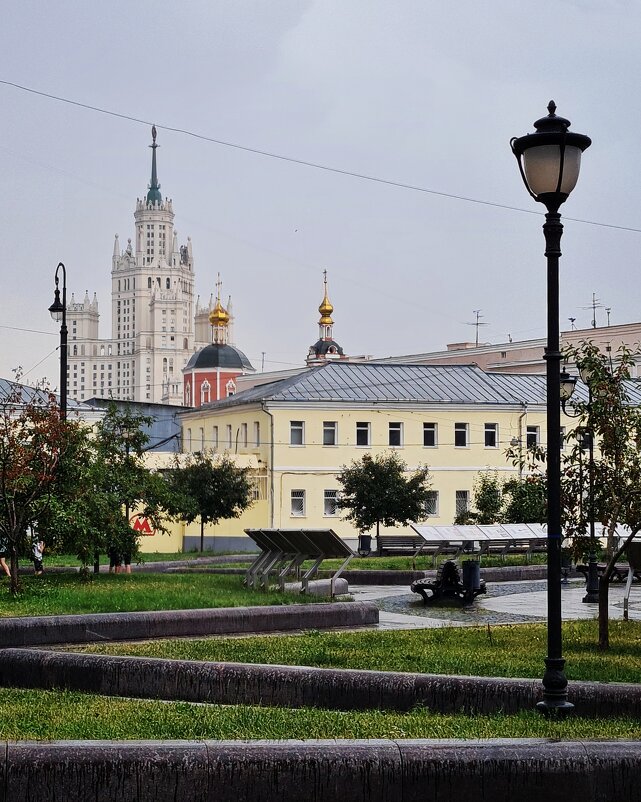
(504,603)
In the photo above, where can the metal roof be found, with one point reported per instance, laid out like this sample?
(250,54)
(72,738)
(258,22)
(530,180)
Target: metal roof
(371,383)
(386,383)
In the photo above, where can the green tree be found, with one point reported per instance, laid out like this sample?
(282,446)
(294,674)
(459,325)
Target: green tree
(615,423)
(525,500)
(33,441)
(487,500)
(376,490)
(209,487)
(102,481)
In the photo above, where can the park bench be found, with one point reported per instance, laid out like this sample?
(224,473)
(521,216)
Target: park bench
(447,585)
(415,545)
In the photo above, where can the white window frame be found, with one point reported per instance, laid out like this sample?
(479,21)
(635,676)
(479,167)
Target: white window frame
(243,435)
(431,428)
(214,438)
(330,497)
(433,494)
(297,510)
(229,436)
(298,427)
(398,429)
(330,427)
(459,497)
(491,429)
(256,433)
(364,427)
(535,432)
(465,429)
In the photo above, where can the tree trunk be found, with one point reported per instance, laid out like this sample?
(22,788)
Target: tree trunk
(378,545)
(202,535)
(604,587)
(15,577)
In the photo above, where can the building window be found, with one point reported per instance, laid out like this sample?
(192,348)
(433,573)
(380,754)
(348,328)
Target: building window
(243,435)
(491,435)
(296,433)
(329,503)
(256,433)
(230,387)
(298,503)
(429,435)
(205,392)
(214,438)
(188,440)
(362,434)
(229,435)
(431,503)
(202,439)
(329,433)
(396,434)
(461,435)
(532,436)
(462,501)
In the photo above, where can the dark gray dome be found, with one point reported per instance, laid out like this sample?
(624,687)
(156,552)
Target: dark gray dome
(219,355)
(324,347)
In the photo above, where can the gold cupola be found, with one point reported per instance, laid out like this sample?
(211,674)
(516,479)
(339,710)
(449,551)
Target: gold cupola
(326,307)
(219,317)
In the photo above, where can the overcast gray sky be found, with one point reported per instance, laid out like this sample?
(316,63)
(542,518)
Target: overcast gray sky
(422,92)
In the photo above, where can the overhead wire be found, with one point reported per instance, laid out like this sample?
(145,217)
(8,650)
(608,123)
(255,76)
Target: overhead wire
(302,162)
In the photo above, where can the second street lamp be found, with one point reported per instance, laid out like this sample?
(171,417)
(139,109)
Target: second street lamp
(549,161)
(58,310)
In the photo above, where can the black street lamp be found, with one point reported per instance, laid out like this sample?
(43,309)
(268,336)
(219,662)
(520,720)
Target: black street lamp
(568,384)
(58,312)
(549,162)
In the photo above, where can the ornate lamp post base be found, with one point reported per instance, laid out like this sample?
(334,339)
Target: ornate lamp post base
(555,697)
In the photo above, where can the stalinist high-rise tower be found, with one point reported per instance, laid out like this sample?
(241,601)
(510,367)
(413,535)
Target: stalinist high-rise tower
(152,313)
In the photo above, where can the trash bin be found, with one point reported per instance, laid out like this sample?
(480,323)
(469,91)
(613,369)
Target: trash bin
(364,545)
(471,574)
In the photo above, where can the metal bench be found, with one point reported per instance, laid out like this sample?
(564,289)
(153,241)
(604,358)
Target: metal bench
(283,552)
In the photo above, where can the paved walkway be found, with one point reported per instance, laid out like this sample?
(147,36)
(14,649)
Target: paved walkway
(505,603)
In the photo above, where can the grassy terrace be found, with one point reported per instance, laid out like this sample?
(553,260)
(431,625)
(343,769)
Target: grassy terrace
(59,594)
(43,715)
(500,651)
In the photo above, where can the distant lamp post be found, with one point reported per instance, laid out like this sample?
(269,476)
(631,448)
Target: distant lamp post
(58,312)
(549,162)
(568,384)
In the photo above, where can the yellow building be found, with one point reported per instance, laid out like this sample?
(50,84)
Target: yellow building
(457,420)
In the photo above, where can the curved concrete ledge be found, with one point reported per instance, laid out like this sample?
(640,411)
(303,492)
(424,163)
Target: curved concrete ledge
(320,771)
(298,686)
(46,630)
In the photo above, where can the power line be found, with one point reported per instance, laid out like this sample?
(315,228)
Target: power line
(303,162)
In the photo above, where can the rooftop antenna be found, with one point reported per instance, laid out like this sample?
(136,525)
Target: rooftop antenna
(572,326)
(596,304)
(608,309)
(476,324)
(262,362)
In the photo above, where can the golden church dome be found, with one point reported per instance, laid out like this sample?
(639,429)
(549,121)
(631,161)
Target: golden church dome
(218,315)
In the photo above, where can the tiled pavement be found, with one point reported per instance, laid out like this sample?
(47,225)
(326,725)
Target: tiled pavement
(508,602)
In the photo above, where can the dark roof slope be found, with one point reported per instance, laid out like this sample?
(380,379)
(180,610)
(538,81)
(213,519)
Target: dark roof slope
(219,355)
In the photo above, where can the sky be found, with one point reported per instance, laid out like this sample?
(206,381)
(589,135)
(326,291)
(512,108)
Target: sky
(426,93)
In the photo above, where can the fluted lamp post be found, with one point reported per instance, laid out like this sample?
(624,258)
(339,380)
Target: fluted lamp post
(58,312)
(549,161)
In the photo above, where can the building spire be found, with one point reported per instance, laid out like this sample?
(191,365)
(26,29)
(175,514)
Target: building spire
(326,310)
(219,318)
(154,196)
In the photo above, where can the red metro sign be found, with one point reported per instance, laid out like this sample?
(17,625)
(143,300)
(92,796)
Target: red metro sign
(142,525)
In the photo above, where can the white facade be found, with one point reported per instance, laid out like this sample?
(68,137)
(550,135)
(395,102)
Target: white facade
(152,314)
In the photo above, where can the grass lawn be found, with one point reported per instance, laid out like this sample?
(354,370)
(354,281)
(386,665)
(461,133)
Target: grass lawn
(67,560)
(56,594)
(500,651)
(47,715)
